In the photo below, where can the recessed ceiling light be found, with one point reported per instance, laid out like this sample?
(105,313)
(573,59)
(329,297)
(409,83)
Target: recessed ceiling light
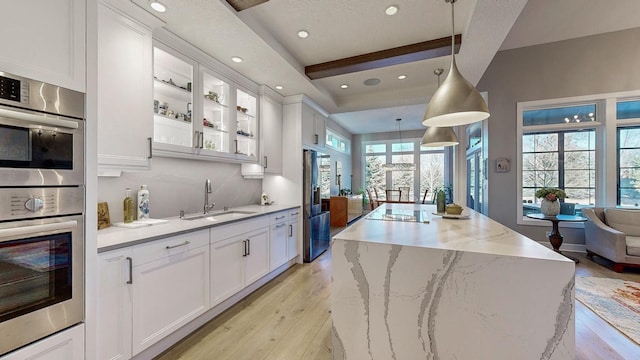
(392,10)
(344,86)
(157,6)
(303,34)
(371,82)
(236,59)
(279,87)
(402,77)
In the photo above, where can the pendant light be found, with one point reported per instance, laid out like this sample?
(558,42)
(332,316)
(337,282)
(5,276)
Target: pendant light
(439,136)
(456,102)
(401,166)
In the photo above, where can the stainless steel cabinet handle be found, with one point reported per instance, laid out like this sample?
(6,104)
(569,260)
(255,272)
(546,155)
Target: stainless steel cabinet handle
(290,230)
(201,140)
(316,141)
(280,217)
(244,248)
(150,148)
(130,260)
(248,247)
(175,246)
(265,162)
(236,145)
(280,225)
(294,214)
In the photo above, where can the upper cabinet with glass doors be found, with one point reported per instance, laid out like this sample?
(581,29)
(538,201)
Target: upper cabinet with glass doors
(220,121)
(216,122)
(173,100)
(246,126)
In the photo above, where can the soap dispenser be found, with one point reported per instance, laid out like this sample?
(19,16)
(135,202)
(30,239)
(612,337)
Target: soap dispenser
(128,207)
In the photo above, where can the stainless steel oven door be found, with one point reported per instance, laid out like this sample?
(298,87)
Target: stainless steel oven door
(41,278)
(40,149)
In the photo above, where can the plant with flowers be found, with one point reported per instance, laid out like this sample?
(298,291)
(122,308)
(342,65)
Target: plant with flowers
(551,194)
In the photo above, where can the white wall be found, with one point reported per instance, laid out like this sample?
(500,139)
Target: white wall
(590,65)
(178,184)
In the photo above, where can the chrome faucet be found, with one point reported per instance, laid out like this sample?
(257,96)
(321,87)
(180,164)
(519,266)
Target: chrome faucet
(207,191)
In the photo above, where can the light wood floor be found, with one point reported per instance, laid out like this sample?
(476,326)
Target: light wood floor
(289,319)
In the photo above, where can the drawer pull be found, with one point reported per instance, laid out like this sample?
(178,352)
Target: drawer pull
(280,217)
(280,225)
(244,248)
(290,230)
(294,214)
(175,246)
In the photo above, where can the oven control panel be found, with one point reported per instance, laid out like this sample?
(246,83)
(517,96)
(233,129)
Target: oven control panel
(14,90)
(26,203)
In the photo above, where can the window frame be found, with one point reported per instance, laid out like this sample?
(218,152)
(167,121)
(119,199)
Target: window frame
(602,116)
(416,152)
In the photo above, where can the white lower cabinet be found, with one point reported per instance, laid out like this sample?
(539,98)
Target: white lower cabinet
(278,237)
(150,290)
(293,236)
(238,260)
(65,345)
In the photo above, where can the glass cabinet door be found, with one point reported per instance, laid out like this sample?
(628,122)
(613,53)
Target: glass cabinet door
(246,125)
(173,100)
(215,112)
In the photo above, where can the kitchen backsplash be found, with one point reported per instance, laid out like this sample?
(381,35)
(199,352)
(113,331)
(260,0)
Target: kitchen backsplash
(178,184)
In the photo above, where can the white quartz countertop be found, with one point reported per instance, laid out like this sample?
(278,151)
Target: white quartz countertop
(113,238)
(478,234)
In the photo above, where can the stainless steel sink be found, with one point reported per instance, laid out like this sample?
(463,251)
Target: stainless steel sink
(225,215)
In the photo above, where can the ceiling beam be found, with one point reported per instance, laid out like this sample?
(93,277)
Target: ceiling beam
(394,56)
(240,5)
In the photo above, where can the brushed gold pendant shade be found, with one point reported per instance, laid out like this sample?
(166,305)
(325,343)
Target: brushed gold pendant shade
(456,101)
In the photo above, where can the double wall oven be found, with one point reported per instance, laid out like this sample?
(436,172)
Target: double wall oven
(41,210)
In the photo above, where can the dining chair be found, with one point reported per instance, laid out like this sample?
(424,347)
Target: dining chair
(405,192)
(390,193)
(375,190)
(372,202)
(424,197)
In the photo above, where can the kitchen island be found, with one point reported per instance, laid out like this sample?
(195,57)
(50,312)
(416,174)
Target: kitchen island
(408,284)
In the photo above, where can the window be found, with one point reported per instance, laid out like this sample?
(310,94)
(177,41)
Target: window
(432,169)
(628,154)
(558,149)
(337,142)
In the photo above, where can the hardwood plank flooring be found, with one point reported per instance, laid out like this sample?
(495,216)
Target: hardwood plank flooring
(289,319)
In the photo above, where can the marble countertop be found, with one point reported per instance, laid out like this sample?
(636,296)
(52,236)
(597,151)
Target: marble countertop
(477,233)
(116,237)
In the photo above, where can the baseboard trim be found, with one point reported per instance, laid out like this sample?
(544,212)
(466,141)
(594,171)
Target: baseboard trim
(175,337)
(579,248)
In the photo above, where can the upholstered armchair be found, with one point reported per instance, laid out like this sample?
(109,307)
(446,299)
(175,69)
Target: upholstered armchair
(613,234)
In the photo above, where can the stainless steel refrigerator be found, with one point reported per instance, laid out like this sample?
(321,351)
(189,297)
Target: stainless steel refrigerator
(317,234)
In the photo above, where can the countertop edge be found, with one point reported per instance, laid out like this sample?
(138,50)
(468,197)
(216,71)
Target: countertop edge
(172,231)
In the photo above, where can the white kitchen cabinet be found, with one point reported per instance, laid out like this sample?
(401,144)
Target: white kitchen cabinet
(150,290)
(125,122)
(216,126)
(170,285)
(114,304)
(293,236)
(313,127)
(45,40)
(239,256)
(173,102)
(65,345)
(271,132)
(278,237)
(246,139)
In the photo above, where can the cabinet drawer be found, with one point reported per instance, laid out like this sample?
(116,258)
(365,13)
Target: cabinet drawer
(294,214)
(169,246)
(238,228)
(279,217)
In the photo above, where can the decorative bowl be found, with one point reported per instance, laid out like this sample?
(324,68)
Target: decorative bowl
(453,209)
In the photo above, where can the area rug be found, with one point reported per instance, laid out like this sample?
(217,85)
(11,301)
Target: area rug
(616,301)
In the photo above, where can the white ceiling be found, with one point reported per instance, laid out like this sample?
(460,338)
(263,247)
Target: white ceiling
(265,37)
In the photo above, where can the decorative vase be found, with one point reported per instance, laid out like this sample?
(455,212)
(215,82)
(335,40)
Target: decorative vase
(440,201)
(550,208)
